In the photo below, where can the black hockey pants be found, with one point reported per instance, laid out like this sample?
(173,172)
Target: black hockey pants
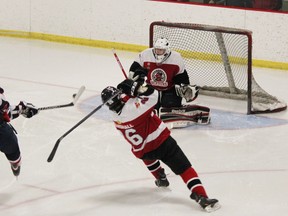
(171,154)
(9,142)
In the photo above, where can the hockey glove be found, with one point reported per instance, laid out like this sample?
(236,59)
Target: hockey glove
(139,74)
(188,92)
(129,87)
(27,109)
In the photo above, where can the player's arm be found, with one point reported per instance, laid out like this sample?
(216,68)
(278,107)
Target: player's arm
(137,72)
(27,110)
(4,107)
(135,65)
(135,88)
(182,78)
(11,112)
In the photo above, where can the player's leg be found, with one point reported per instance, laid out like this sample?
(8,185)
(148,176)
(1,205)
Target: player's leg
(15,161)
(177,161)
(172,112)
(10,147)
(169,98)
(158,172)
(185,115)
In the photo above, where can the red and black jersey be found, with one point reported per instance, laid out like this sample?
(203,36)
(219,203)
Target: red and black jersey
(163,76)
(140,126)
(7,111)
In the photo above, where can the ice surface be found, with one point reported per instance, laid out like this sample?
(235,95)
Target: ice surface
(241,160)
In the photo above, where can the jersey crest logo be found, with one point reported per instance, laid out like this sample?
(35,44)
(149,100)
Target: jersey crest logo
(159,78)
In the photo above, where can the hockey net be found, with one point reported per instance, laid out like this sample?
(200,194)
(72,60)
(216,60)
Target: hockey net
(219,61)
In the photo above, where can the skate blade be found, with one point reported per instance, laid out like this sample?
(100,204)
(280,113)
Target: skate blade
(213,208)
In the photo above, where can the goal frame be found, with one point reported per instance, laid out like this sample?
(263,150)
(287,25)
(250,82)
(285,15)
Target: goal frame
(220,29)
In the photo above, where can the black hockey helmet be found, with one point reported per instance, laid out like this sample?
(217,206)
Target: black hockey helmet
(115,104)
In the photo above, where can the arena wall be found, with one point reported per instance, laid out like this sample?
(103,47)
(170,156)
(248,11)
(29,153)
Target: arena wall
(124,24)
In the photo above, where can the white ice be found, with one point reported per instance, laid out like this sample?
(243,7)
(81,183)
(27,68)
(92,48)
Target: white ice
(241,160)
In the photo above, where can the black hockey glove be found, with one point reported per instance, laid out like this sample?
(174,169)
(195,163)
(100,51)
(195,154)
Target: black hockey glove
(139,74)
(27,109)
(129,87)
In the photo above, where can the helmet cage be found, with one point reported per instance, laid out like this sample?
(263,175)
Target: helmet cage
(162,44)
(114,104)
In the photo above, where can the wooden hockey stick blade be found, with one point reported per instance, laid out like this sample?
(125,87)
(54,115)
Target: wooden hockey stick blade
(79,93)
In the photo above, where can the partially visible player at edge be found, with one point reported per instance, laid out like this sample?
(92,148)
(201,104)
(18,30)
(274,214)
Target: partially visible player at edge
(8,139)
(165,72)
(150,139)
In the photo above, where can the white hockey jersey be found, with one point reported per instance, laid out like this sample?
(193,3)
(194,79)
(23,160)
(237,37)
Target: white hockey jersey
(160,76)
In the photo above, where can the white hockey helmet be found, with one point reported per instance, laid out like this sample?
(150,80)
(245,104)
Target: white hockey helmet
(161,50)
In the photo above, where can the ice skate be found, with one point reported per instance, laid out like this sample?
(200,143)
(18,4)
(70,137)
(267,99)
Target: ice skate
(15,169)
(207,204)
(162,181)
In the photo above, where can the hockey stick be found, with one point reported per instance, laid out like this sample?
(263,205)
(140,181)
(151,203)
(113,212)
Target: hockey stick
(75,96)
(53,152)
(123,71)
(119,63)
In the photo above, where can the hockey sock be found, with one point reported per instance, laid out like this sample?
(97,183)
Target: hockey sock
(191,179)
(16,162)
(154,167)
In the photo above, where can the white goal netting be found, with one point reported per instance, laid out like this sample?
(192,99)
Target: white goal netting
(219,61)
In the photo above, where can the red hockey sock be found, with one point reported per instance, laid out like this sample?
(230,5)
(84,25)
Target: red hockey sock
(16,162)
(191,179)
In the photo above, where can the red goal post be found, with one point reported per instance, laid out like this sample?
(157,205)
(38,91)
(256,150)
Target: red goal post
(219,60)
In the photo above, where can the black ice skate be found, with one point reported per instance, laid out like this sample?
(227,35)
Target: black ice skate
(162,181)
(15,169)
(207,204)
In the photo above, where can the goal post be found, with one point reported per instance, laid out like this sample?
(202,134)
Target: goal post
(218,60)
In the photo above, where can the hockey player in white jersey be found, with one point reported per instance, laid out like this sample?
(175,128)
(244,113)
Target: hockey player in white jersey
(150,138)
(165,71)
